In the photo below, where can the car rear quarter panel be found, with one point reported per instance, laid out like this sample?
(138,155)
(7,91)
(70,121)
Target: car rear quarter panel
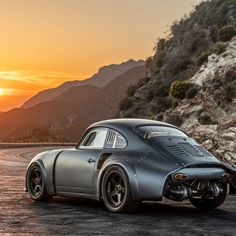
(146,171)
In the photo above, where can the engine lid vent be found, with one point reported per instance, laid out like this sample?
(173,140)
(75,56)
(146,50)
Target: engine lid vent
(175,149)
(202,150)
(191,149)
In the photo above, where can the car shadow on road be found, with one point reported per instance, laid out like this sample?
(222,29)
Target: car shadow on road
(165,208)
(87,217)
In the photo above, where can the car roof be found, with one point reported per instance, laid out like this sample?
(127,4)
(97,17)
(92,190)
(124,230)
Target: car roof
(128,123)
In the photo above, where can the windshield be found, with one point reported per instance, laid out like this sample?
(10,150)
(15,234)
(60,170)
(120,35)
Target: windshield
(147,132)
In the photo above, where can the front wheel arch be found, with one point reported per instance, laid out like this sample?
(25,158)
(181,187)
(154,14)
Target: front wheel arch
(35,180)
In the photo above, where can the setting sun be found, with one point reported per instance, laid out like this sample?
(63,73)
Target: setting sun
(1,91)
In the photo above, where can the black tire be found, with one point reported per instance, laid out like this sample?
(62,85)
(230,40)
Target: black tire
(36,184)
(116,191)
(208,204)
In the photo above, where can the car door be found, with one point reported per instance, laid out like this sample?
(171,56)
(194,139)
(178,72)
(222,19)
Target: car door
(74,169)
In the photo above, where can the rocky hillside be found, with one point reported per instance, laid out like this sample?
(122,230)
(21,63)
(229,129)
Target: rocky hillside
(64,118)
(192,79)
(104,75)
(210,116)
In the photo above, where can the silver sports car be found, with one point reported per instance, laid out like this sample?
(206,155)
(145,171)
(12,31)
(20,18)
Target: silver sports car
(125,161)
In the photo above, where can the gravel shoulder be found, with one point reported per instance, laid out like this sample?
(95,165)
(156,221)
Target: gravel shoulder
(60,216)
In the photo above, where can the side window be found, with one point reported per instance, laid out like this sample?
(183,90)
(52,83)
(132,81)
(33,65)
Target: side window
(114,140)
(95,139)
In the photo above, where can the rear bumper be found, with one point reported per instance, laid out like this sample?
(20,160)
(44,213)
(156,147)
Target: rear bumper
(199,173)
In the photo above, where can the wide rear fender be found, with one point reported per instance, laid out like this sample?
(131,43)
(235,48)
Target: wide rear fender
(130,171)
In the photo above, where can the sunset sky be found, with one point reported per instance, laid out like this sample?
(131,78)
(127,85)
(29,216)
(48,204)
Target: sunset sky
(46,42)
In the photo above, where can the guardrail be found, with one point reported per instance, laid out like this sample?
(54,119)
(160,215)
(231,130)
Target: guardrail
(24,145)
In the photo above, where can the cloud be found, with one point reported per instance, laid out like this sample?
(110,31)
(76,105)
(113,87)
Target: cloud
(34,80)
(18,86)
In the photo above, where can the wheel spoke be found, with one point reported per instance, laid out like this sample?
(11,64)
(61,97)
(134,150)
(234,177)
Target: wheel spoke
(115,189)
(113,193)
(39,179)
(35,188)
(40,188)
(36,182)
(118,198)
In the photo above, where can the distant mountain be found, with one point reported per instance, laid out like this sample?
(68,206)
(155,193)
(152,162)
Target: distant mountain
(65,117)
(100,79)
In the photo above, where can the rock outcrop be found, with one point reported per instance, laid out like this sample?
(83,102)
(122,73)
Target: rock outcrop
(210,117)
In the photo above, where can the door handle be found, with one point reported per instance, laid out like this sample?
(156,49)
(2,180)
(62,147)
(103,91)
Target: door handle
(90,160)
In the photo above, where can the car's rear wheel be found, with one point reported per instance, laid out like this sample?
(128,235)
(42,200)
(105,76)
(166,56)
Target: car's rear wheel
(208,204)
(116,191)
(36,183)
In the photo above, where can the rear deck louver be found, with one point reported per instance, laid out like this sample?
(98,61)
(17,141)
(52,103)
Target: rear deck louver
(190,149)
(186,150)
(202,150)
(175,149)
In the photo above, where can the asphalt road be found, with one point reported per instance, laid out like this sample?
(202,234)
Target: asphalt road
(63,216)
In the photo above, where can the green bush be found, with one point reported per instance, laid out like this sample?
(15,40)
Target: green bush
(125,104)
(226,33)
(220,48)
(179,88)
(202,58)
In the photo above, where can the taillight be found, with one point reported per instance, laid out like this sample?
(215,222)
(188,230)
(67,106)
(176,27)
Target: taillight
(225,175)
(180,176)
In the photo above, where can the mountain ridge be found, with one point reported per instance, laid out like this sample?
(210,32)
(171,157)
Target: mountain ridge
(99,79)
(64,118)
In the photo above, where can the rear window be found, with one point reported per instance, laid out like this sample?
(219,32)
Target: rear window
(147,132)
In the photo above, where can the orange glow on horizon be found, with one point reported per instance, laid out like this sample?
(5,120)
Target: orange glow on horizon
(45,43)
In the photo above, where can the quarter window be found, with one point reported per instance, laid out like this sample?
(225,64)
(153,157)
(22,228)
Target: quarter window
(114,140)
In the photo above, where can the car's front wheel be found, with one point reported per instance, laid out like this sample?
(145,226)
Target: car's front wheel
(116,191)
(36,183)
